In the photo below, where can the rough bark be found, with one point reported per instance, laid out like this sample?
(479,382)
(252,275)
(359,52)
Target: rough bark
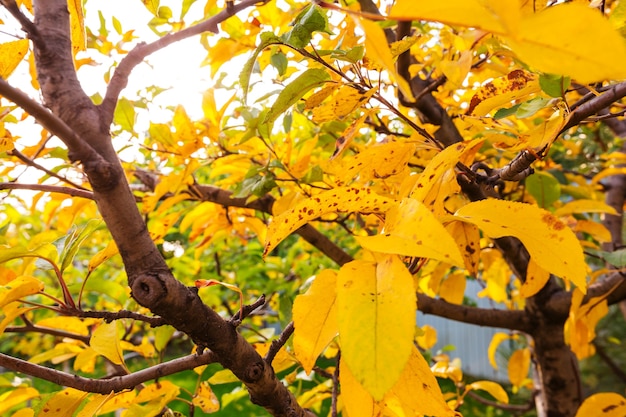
(151,282)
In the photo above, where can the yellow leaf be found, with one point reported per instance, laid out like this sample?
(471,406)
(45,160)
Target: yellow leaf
(106,253)
(519,364)
(105,340)
(438,181)
(452,289)
(377,49)
(94,405)
(444,368)
(63,403)
(206,399)
(348,134)
(342,199)
(552,245)
(456,70)
(598,231)
(467,238)
(492,388)
(501,91)
(71,324)
(536,278)
(24,412)
(379,161)
(77,25)
(357,401)
(584,206)
(604,404)
(486,15)
(376,306)
(14,397)
(411,229)
(417,389)
(282,360)
(428,339)
(343,103)
(493,347)
(315,319)
(551,41)
(11,54)
(582,321)
(156,396)
(18,288)
(10,312)
(225,376)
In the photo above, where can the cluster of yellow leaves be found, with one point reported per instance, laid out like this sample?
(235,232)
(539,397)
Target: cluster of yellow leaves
(566,51)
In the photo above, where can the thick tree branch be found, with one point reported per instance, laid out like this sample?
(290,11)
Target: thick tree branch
(141,51)
(489,317)
(595,105)
(80,150)
(105,386)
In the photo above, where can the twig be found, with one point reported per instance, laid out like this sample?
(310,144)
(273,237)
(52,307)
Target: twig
(335,394)
(109,316)
(619,372)
(247,309)
(141,51)
(34,164)
(105,386)
(31,328)
(27,25)
(514,408)
(277,344)
(47,188)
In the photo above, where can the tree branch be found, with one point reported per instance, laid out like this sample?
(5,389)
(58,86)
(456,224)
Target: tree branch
(79,149)
(109,316)
(277,344)
(31,328)
(595,105)
(488,317)
(47,188)
(264,204)
(34,164)
(141,51)
(105,386)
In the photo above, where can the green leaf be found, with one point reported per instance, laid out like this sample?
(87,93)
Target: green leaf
(309,79)
(554,85)
(530,107)
(279,61)
(125,115)
(267,39)
(544,188)
(259,185)
(312,19)
(616,258)
(506,112)
(74,239)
